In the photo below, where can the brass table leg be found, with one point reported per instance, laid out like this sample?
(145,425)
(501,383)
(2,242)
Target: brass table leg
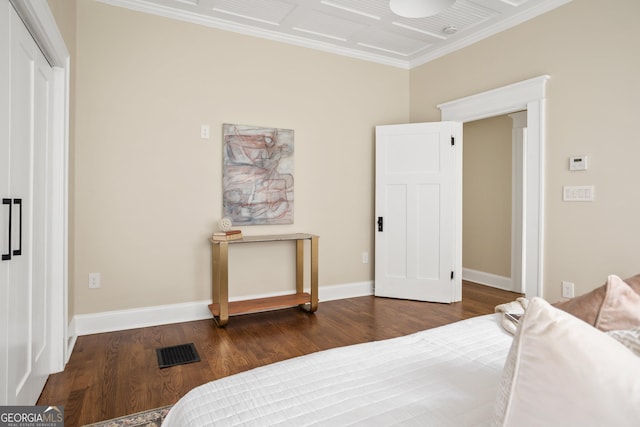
(221,281)
(299,266)
(215,273)
(313,303)
(300,270)
(314,273)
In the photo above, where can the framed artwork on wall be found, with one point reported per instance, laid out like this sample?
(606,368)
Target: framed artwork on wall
(257,175)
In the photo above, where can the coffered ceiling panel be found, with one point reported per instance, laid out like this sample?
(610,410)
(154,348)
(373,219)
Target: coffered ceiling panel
(328,26)
(271,12)
(387,42)
(365,29)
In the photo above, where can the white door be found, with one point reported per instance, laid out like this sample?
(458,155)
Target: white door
(5,165)
(28,356)
(418,212)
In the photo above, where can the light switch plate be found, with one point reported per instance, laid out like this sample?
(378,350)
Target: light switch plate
(578,193)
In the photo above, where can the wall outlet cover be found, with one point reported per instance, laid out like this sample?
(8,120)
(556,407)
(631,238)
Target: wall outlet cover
(94,280)
(567,289)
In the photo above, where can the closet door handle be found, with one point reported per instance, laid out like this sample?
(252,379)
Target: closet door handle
(7,256)
(19,250)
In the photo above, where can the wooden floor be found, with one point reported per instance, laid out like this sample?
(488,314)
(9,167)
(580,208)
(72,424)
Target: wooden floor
(114,374)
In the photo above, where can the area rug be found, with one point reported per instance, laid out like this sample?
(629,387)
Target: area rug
(150,418)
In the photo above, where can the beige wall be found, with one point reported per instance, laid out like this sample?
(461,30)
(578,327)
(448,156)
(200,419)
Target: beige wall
(148,189)
(486,216)
(64,12)
(590,51)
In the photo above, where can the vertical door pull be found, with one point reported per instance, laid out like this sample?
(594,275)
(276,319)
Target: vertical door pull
(19,250)
(7,256)
(379,223)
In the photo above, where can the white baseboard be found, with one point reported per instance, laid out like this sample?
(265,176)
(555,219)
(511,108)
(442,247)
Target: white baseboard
(118,320)
(349,290)
(72,336)
(488,279)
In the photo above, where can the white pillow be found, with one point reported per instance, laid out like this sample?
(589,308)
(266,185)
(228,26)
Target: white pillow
(561,371)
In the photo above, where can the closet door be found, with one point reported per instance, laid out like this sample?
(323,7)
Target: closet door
(27,336)
(5,133)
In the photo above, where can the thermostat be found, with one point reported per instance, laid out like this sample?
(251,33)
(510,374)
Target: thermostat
(578,163)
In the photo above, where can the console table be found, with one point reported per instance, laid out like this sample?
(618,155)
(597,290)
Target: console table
(221,308)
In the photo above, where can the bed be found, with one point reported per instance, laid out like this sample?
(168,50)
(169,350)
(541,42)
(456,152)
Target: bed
(469,373)
(447,376)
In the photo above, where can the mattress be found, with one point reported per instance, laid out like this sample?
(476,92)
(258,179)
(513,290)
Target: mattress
(446,376)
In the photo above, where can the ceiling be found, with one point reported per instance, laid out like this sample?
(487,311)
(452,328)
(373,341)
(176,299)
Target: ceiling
(364,29)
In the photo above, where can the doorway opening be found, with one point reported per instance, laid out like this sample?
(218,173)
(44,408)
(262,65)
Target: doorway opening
(529,96)
(492,201)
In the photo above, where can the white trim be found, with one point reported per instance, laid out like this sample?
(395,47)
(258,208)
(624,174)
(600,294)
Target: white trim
(118,320)
(72,337)
(349,290)
(488,279)
(526,95)
(40,22)
(213,22)
(518,182)
(37,17)
(495,102)
(489,31)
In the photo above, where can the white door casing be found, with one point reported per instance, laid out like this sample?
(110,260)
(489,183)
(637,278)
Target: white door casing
(418,241)
(526,95)
(518,209)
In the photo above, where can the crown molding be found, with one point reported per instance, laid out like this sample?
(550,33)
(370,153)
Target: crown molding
(489,31)
(221,24)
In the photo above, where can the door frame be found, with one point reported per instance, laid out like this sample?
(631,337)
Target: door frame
(526,95)
(40,22)
(518,144)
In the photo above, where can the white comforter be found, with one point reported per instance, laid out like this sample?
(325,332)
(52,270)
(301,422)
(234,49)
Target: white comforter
(447,376)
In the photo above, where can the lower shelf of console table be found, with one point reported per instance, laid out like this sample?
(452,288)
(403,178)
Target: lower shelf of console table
(221,308)
(263,304)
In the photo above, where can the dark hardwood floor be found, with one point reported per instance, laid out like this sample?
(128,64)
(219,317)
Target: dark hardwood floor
(114,374)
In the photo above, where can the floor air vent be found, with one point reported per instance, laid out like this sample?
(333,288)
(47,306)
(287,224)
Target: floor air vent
(177,355)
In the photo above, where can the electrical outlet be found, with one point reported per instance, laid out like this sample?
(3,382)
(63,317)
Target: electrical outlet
(567,289)
(94,280)
(204,131)
(365,257)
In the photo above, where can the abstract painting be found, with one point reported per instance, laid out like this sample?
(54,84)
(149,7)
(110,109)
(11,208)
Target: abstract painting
(257,175)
